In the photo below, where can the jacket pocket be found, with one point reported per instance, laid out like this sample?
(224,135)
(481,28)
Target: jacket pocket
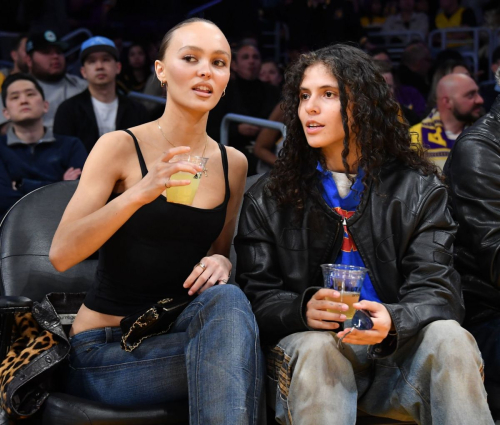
(385,251)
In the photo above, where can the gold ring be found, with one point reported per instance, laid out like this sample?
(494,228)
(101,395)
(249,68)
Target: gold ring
(201,265)
(168,181)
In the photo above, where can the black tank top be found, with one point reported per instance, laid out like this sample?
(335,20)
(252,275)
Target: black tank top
(153,253)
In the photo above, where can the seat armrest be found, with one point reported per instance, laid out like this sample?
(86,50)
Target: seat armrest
(10,304)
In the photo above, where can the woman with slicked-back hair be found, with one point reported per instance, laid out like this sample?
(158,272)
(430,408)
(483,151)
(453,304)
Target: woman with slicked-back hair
(153,250)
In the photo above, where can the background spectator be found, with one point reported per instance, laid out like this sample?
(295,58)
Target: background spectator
(18,56)
(269,142)
(47,63)
(271,72)
(414,68)
(450,66)
(32,156)
(452,15)
(407,19)
(410,101)
(98,109)
(136,68)
(458,106)
(246,95)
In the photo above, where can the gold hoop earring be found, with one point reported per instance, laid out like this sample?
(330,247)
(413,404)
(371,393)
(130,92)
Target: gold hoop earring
(163,84)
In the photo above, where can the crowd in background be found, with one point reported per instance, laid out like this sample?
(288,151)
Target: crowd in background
(413,70)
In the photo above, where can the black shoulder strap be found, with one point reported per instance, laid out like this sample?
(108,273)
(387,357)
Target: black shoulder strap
(225,166)
(142,163)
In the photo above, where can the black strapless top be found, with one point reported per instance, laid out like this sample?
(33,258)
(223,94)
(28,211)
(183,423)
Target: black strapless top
(153,253)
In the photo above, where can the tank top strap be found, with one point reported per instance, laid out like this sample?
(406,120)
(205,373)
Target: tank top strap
(225,166)
(142,163)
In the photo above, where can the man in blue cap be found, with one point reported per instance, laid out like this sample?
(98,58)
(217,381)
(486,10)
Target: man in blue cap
(99,109)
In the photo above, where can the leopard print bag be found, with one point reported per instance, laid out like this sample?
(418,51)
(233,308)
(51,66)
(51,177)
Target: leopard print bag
(39,344)
(28,342)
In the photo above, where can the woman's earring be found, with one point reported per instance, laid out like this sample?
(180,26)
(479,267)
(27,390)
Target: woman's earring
(223,93)
(163,84)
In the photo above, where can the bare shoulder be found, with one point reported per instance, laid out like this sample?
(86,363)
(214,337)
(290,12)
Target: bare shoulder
(238,164)
(118,144)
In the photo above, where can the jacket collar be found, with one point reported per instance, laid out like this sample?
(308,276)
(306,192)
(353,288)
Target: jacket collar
(12,139)
(495,108)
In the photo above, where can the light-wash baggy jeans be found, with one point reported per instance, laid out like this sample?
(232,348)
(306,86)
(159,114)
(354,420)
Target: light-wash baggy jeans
(211,356)
(435,378)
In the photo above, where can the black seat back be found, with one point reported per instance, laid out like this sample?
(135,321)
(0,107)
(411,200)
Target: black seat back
(25,237)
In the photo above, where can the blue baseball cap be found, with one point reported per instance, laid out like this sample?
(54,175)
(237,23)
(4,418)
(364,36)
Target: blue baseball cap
(97,44)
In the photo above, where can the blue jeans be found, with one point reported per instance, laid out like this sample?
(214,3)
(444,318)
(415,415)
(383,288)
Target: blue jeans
(211,356)
(435,378)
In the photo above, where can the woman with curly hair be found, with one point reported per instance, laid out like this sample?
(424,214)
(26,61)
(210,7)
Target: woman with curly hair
(348,188)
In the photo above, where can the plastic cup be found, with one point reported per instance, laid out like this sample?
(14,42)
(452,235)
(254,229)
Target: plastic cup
(185,194)
(348,280)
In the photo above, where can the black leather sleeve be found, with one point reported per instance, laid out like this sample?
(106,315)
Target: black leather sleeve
(279,312)
(431,289)
(473,173)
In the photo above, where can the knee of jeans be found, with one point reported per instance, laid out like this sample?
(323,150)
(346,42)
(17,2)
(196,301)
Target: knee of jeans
(317,342)
(228,295)
(450,341)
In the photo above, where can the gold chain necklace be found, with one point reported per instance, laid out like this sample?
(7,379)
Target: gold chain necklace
(165,137)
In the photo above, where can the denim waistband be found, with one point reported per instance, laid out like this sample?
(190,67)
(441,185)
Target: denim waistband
(96,336)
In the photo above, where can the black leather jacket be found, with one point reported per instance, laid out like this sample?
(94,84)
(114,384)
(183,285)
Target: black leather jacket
(402,229)
(473,175)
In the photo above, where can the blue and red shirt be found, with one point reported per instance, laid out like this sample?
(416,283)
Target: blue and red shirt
(346,207)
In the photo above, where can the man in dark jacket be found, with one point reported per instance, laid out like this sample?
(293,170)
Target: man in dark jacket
(473,174)
(343,193)
(99,109)
(31,156)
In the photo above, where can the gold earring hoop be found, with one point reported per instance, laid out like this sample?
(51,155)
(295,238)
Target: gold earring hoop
(163,84)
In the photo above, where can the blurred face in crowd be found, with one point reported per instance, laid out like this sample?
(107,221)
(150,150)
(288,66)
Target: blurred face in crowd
(24,103)
(48,64)
(248,63)
(100,68)
(320,109)
(136,57)
(195,66)
(269,73)
(19,56)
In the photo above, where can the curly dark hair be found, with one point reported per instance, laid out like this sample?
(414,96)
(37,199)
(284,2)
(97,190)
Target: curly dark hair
(380,132)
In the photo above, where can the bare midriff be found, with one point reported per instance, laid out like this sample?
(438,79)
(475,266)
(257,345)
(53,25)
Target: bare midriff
(87,319)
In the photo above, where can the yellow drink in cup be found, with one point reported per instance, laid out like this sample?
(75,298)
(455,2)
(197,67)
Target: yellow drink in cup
(185,194)
(349,298)
(348,280)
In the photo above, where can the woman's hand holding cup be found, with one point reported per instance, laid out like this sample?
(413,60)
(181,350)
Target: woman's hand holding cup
(158,177)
